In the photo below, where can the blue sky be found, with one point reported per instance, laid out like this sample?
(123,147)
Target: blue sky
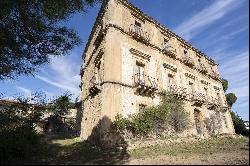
(219,28)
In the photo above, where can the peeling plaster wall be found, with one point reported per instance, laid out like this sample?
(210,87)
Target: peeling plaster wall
(117,94)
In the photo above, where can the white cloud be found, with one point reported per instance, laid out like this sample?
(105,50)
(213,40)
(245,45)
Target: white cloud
(230,66)
(191,27)
(236,70)
(59,84)
(63,73)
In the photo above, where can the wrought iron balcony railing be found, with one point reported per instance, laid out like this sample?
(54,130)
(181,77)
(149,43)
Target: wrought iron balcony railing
(169,50)
(212,103)
(139,33)
(214,75)
(198,98)
(188,61)
(202,68)
(145,84)
(181,92)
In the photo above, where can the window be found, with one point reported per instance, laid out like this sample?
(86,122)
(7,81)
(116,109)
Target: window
(206,91)
(219,98)
(140,72)
(165,44)
(185,52)
(170,79)
(191,87)
(138,24)
(138,29)
(199,60)
(142,107)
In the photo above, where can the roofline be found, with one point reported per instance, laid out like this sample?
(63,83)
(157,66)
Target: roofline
(98,18)
(165,29)
(148,18)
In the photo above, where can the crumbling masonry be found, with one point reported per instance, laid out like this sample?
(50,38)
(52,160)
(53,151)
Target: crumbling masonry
(130,59)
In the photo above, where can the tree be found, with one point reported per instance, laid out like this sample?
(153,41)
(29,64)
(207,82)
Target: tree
(31,32)
(61,105)
(224,84)
(23,111)
(17,125)
(239,125)
(231,99)
(238,122)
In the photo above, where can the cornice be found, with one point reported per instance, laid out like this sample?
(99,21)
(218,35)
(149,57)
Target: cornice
(135,9)
(164,29)
(140,54)
(149,44)
(97,22)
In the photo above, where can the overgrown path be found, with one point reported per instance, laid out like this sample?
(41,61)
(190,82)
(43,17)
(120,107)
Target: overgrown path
(58,149)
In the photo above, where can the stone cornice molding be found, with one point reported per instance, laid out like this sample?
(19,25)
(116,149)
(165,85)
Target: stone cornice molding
(142,15)
(216,88)
(162,28)
(204,82)
(140,54)
(170,67)
(190,76)
(149,44)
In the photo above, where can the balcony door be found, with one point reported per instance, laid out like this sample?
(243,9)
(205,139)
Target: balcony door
(138,27)
(191,87)
(166,44)
(170,79)
(198,123)
(140,72)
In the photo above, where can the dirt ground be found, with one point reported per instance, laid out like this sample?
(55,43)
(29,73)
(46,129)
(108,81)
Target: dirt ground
(56,149)
(215,151)
(222,158)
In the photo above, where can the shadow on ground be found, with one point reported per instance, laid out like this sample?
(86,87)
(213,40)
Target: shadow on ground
(67,149)
(52,151)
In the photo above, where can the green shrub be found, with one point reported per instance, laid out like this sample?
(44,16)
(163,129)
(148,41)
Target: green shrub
(17,142)
(239,125)
(170,113)
(120,123)
(144,122)
(178,120)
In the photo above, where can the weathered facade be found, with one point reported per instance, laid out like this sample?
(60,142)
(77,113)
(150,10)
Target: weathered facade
(130,59)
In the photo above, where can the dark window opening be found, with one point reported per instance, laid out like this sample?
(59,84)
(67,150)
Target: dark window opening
(138,24)
(185,52)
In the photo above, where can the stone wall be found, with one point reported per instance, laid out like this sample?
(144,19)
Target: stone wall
(120,49)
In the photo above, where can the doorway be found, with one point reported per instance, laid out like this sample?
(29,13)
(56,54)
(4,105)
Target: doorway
(198,122)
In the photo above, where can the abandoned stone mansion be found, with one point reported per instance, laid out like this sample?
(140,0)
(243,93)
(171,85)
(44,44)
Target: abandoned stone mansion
(130,59)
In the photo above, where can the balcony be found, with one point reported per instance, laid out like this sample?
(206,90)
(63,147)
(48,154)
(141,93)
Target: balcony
(188,61)
(81,71)
(169,50)
(212,103)
(145,85)
(94,84)
(138,33)
(202,68)
(214,75)
(179,91)
(198,98)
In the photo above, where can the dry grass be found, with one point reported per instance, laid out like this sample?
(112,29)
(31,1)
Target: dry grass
(61,149)
(206,146)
